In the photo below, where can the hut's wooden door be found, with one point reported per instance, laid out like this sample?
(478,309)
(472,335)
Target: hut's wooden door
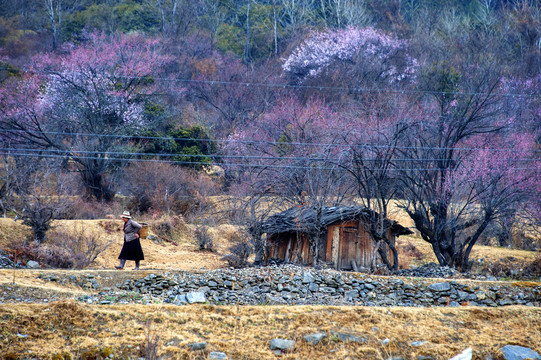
(348,246)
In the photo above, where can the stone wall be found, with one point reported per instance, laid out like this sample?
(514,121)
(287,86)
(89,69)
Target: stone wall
(292,285)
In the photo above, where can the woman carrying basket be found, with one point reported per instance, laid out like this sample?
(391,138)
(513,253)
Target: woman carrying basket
(131,250)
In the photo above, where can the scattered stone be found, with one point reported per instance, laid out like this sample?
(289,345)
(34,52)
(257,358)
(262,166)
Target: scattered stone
(314,339)
(345,337)
(465,355)
(217,355)
(282,344)
(516,352)
(418,343)
(385,342)
(197,346)
(174,342)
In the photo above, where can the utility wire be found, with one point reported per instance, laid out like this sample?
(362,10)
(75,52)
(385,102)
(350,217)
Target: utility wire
(15,153)
(74,153)
(258,141)
(296,86)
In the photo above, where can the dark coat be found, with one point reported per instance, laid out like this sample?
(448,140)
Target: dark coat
(131,250)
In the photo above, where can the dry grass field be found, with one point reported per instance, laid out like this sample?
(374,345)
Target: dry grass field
(67,329)
(83,331)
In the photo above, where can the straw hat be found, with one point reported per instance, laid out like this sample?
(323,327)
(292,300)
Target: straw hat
(126,214)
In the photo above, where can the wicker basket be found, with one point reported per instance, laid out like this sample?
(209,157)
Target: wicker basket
(144,231)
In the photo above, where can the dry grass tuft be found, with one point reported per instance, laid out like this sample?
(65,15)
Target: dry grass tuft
(223,236)
(12,231)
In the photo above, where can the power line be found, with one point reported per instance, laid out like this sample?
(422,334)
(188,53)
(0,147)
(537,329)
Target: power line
(15,153)
(133,137)
(74,153)
(303,87)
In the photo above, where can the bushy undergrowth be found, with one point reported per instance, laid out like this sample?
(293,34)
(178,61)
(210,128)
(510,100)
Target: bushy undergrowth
(509,267)
(167,188)
(204,240)
(534,268)
(66,250)
(169,228)
(110,226)
(238,258)
(80,208)
(240,251)
(408,255)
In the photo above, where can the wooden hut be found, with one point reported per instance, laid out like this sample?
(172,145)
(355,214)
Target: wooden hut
(345,238)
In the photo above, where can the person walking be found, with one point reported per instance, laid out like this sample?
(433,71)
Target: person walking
(131,250)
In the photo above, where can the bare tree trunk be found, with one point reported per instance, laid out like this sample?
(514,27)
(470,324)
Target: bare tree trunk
(54,11)
(247,56)
(374,261)
(275,25)
(161,7)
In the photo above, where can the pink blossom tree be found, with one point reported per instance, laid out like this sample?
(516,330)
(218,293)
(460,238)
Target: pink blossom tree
(465,160)
(505,176)
(354,57)
(81,102)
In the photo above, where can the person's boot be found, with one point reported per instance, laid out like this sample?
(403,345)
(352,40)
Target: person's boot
(121,265)
(136,265)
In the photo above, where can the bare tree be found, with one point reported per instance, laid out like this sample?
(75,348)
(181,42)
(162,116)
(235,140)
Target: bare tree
(297,13)
(229,105)
(176,16)
(56,10)
(250,209)
(211,16)
(38,194)
(372,166)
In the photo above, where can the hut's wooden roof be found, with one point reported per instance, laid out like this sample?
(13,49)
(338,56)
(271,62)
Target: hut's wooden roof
(302,219)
